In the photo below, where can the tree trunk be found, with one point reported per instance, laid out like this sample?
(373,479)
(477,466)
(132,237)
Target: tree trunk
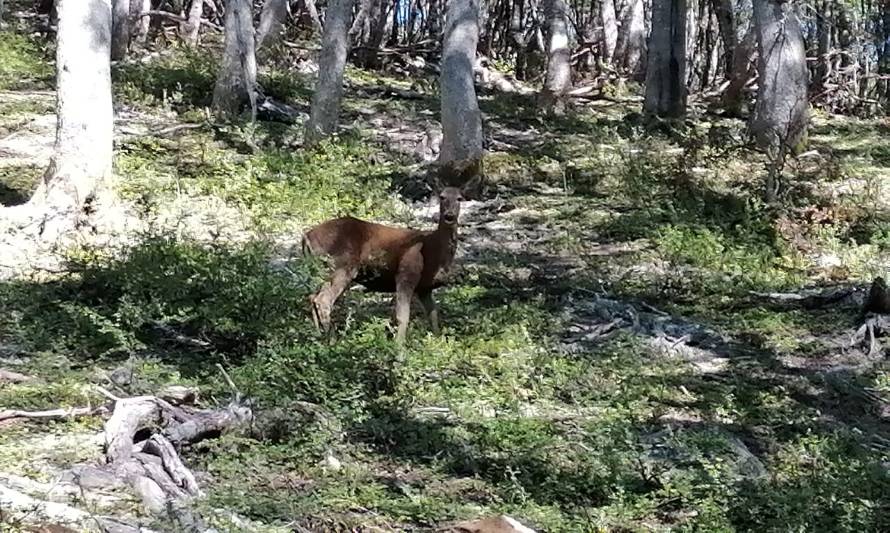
(666,69)
(630,48)
(373,35)
(138,24)
(271,22)
(325,111)
(461,118)
(781,113)
(235,88)
(120,29)
(726,21)
(191,29)
(80,168)
(610,29)
(741,73)
(559,69)
(434,18)
(823,36)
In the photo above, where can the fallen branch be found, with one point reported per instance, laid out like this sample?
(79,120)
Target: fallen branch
(13,377)
(52,414)
(173,16)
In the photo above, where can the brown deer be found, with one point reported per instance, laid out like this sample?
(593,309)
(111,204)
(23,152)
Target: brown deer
(386,259)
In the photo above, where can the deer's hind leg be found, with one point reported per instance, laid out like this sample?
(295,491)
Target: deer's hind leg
(323,301)
(432,312)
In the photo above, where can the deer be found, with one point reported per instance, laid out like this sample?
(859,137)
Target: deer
(381,258)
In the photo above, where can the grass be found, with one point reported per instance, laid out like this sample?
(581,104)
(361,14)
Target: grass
(24,62)
(497,414)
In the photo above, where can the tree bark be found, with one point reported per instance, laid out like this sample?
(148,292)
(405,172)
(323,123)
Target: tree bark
(781,113)
(823,35)
(726,21)
(743,61)
(120,29)
(139,25)
(461,118)
(235,89)
(630,49)
(610,29)
(271,22)
(80,168)
(325,112)
(666,68)
(558,80)
(191,29)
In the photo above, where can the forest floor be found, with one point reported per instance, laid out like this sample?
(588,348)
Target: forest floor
(634,341)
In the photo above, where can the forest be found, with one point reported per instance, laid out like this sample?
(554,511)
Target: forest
(614,266)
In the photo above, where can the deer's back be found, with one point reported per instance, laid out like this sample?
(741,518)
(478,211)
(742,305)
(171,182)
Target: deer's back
(349,240)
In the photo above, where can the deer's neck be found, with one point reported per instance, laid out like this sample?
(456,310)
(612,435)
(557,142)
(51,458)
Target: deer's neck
(446,234)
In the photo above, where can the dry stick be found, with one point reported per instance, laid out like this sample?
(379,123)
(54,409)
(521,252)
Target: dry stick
(52,414)
(229,382)
(13,377)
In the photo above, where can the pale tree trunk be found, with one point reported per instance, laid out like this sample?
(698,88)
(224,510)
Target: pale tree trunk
(139,24)
(271,22)
(120,29)
(630,48)
(191,29)
(666,64)
(80,169)
(692,31)
(781,114)
(558,80)
(741,73)
(372,33)
(1,14)
(325,112)
(610,29)
(460,157)
(235,89)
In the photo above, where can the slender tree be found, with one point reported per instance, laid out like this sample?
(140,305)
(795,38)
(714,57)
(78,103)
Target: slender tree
(630,49)
(610,29)
(741,73)
(235,89)
(271,22)
(139,23)
(80,169)
(191,28)
(120,29)
(558,80)
(726,21)
(461,119)
(325,112)
(666,69)
(781,114)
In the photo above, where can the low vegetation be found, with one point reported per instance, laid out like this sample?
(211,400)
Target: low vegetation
(506,411)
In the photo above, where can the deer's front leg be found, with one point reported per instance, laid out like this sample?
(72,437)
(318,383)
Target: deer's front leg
(410,268)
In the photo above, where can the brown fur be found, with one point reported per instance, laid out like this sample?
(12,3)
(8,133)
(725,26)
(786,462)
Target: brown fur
(385,259)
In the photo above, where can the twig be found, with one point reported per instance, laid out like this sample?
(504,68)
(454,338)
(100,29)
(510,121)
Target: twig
(105,392)
(52,414)
(229,381)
